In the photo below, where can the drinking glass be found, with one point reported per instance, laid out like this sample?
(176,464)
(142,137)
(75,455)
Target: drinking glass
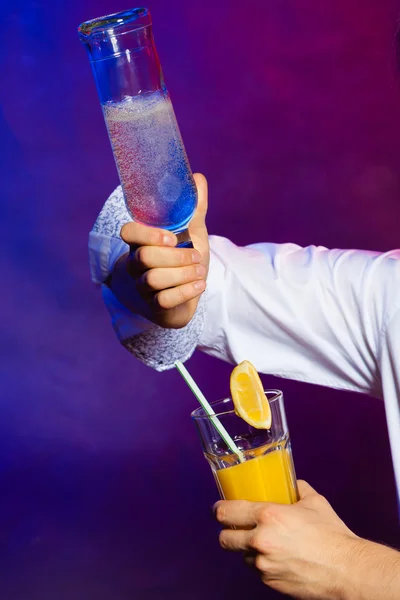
(267,472)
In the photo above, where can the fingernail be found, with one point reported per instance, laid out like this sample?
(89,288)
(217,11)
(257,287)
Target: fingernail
(199,285)
(200,270)
(168,240)
(196,258)
(214,508)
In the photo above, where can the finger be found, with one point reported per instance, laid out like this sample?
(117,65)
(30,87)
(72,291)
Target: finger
(199,217)
(238,513)
(235,540)
(161,279)
(305,489)
(152,257)
(197,226)
(136,234)
(173,297)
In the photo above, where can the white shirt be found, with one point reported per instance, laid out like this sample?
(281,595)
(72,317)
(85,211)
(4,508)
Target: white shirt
(329,317)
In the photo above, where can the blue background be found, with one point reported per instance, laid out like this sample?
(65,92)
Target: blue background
(292,110)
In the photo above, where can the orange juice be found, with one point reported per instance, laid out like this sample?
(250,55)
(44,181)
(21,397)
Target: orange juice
(269,477)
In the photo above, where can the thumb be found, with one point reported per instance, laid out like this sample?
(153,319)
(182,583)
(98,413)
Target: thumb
(198,223)
(305,489)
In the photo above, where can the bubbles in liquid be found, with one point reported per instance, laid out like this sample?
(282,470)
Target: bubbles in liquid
(170,188)
(151,160)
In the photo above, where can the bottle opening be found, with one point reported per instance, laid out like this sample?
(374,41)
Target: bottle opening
(115,24)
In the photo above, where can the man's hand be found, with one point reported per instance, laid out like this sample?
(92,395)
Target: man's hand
(303,550)
(159,281)
(306,551)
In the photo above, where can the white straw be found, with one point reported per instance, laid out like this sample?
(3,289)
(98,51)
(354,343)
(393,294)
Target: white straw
(209,410)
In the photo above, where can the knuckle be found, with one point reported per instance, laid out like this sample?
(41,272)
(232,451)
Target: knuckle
(183,275)
(258,542)
(264,515)
(317,501)
(142,255)
(260,563)
(138,256)
(150,278)
(155,237)
(187,274)
(183,294)
(254,542)
(163,300)
(194,272)
(223,541)
(322,499)
(181,258)
(272,582)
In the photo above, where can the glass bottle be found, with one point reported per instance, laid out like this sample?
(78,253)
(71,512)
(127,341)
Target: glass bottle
(152,164)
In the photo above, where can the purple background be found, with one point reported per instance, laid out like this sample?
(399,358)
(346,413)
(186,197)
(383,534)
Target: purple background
(292,110)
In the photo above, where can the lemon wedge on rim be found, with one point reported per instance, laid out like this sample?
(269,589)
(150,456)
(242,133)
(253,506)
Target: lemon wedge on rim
(251,403)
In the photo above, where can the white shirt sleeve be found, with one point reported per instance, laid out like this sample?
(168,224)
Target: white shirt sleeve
(310,314)
(389,363)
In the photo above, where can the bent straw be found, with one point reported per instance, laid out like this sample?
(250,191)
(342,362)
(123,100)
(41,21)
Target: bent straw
(209,410)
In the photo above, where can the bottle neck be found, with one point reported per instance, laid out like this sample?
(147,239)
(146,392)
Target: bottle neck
(123,55)
(122,69)
(113,43)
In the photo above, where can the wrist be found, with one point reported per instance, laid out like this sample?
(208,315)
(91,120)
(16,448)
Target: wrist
(369,570)
(342,576)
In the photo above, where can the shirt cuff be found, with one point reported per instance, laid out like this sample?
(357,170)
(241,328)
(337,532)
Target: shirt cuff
(159,348)
(104,252)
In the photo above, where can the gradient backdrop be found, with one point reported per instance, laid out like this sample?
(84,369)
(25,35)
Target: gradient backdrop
(292,110)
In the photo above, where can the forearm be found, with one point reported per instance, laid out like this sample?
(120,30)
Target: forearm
(371,572)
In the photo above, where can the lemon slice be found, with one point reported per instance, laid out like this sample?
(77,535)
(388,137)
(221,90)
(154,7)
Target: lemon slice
(248,396)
